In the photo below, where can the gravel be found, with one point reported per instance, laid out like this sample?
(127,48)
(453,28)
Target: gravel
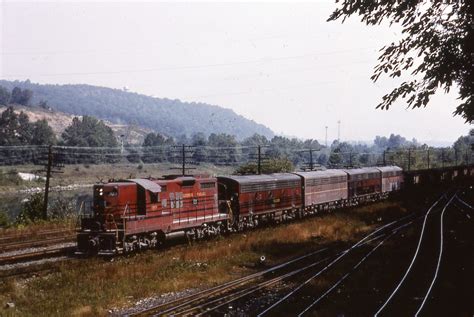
(150,302)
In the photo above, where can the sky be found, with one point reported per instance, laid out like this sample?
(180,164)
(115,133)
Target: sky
(279,64)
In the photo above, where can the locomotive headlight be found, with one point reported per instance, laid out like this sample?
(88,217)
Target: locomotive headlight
(101,191)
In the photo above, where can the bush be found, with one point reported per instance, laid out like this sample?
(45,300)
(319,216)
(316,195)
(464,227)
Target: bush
(61,208)
(10,178)
(4,220)
(32,209)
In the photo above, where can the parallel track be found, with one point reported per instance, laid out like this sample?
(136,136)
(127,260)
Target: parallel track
(209,300)
(4,247)
(415,255)
(35,255)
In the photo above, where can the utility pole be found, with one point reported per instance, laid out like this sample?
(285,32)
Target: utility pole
(384,160)
(311,165)
(338,130)
(183,151)
(183,167)
(121,143)
(442,158)
(350,158)
(428,157)
(259,162)
(46,186)
(326,136)
(409,159)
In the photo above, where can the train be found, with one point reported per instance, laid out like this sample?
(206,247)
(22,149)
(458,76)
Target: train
(134,214)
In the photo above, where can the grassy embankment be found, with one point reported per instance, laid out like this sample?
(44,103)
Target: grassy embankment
(89,287)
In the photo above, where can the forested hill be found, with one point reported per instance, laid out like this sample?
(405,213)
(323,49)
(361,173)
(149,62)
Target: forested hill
(169,117)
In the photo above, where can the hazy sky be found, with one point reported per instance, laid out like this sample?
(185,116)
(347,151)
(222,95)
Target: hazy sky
(280,64)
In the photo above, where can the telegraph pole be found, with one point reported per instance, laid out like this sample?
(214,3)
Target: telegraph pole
(326,136)
(46,186)
(311,165)
(409,159)
(442,158)
(428,157)
(183,167)
(339,131)
(182,153)
(259,163)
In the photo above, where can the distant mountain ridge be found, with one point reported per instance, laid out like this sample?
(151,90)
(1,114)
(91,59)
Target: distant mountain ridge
(169,117)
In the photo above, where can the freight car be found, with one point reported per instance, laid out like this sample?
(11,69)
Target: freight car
(255,198)
(138,213)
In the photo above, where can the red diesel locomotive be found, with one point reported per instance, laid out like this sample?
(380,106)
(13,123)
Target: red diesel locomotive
(139,213)
(136,213)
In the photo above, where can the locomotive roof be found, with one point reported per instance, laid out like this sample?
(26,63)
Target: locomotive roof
(147,184)
(389,168)
(264,178)
(362,170)
(322,174)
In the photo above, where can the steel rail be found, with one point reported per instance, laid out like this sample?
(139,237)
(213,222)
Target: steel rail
(439,257)
(394,231)
(194,297)
(13,259)
(34,243)
(345,252)
(413,259)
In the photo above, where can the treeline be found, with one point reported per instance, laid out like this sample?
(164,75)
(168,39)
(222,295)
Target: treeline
(166,116)
(88,140)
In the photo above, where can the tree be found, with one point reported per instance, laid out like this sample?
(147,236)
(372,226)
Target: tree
(31,209)
(42,133)
(437,48)
(274,165)
(4,96)
(89,132)
(14,129)
(9,127)
(21,97)
(154,151)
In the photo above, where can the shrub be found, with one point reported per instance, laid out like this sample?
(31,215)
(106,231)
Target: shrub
(4,220)
(31,210)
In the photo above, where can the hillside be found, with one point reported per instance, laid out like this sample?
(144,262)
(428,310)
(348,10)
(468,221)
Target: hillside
(60,121)
(169,117)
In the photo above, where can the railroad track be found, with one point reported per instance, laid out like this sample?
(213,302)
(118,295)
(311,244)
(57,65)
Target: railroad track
(4,239)
(4,247)
(35,255)
(403,281)
(210,300)
(215,305)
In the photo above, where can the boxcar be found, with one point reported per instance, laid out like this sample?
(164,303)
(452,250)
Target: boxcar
(363,181)
(261,194)
(392,178)
(322,187)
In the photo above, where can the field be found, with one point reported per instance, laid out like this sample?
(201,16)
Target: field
(91,287)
